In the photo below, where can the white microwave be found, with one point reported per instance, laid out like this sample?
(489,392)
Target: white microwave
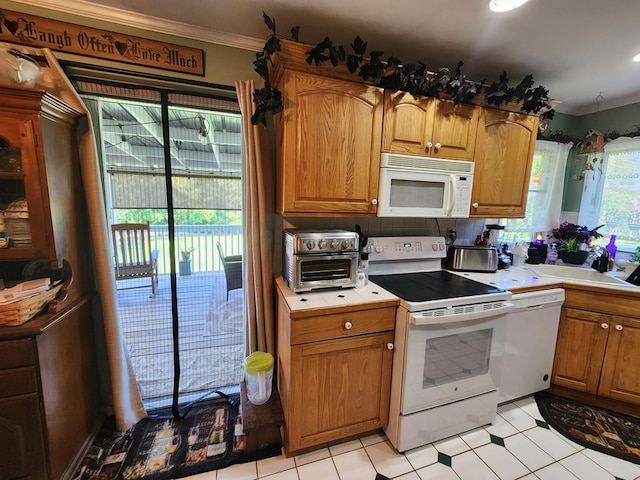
(424,187)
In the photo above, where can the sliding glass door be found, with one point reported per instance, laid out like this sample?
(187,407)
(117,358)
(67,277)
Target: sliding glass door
(173,160)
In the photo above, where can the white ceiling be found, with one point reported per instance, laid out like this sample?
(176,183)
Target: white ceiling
(580,50)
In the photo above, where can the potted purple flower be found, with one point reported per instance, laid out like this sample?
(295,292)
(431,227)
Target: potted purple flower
(574,241)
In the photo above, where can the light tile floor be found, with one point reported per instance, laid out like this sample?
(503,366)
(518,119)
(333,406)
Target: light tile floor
(517,445)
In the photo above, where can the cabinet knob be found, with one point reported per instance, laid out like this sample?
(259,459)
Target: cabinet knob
(604,325)
(475,205)
(390,346)
(618,327)
(428,146)
(348,325)
(374,201)
(438,146)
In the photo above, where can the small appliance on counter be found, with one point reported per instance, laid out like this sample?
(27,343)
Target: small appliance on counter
(504,258)
(314,259)
(472,258)
(537,253)
(533,256)
(634,278)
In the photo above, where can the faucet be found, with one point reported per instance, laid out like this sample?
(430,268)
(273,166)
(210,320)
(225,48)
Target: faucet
(601,262)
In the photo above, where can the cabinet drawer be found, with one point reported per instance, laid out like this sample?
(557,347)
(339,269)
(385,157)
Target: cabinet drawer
(327,327)
(18,381)
(16,353)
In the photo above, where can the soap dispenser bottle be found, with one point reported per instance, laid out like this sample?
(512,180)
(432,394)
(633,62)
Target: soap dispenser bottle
(552,255)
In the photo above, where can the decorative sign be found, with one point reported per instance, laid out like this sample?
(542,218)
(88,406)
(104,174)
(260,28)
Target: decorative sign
(69,38)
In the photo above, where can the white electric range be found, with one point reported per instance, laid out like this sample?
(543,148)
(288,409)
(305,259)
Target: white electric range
(449,342)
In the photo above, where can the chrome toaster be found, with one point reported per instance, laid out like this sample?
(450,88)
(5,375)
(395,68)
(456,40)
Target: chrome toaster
(472,258)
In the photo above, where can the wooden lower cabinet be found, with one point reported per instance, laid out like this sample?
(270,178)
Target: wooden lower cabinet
(598,353)
(340,388)
(334,373)
(23,453)
(620,378)
(49,396)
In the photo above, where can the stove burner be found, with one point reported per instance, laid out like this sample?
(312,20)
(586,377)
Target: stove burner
(427,286)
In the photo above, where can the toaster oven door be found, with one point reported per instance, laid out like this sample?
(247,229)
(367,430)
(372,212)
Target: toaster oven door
(325,271)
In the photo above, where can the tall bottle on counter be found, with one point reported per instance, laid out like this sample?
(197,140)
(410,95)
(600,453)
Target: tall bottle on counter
(611,247)
(362,270)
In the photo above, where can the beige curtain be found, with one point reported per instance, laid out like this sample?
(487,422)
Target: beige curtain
(127,403)
(258,225)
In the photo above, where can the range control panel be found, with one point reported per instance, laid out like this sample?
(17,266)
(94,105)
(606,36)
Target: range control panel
(406,248)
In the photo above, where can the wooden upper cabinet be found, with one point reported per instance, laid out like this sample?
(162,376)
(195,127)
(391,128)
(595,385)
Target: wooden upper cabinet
(39,179)
(429,127)
(504,152)
(328,146)
(41,191)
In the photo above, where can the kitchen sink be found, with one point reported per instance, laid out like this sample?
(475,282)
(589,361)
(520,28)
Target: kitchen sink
(582,274)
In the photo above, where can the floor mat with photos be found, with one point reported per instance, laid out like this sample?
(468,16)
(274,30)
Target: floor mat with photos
(208,437)
(592,427)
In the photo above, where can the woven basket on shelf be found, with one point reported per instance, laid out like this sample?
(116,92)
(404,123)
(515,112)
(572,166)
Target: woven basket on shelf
(18,312)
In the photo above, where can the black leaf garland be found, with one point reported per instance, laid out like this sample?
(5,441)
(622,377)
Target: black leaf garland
(392,74)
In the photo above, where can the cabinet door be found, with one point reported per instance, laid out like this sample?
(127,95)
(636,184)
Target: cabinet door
(426,126)
(620,378)
(329,146)
(454,129)
(503,156)
(21,447)
(339,388)
(23,200)
(408,123)
(582,339)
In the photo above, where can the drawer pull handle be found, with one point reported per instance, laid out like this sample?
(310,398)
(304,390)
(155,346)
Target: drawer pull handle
(618,327)
(390,346)
(348,325)
(605,325)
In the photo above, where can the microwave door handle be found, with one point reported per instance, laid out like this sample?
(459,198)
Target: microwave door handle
(453,194)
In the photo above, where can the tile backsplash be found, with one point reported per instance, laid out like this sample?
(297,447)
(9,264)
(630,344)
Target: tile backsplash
(466,229)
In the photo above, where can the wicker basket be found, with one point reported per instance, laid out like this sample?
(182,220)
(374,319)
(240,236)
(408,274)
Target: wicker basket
(18,312)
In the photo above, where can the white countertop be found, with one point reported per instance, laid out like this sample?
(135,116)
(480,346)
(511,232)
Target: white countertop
(371,293)
(512,279)
(526,277)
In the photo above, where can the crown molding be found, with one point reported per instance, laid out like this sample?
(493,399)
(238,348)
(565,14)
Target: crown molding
(146,22)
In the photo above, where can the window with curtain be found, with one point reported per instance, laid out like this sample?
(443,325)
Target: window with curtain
(544,200)
(610,195)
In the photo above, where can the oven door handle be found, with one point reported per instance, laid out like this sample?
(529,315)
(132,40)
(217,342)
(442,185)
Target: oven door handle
(426,319)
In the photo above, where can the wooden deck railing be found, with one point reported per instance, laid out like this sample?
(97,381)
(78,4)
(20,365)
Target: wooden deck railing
(202,238)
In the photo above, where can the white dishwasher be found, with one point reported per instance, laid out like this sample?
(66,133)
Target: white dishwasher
(531,342)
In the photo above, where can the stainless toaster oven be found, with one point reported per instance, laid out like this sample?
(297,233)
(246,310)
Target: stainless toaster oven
(314,259)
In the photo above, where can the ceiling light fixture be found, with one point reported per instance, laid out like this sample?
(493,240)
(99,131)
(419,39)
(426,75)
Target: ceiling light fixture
(124,144)
(203,131)
(505,5)
(636,58)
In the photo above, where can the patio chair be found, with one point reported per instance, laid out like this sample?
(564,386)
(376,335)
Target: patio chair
(133,256)
(232,265)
